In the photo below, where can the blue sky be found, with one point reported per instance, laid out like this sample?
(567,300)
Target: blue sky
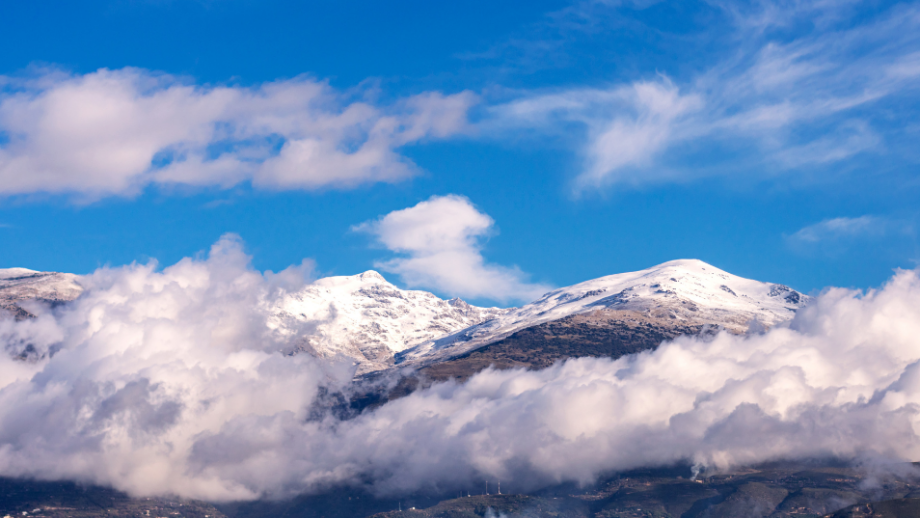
(472,149)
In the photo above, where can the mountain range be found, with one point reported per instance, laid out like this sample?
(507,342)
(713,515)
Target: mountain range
(379,326)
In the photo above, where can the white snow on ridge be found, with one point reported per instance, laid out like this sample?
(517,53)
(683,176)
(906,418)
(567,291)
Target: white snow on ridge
(375,324)
(368,319)
(683,291)
(20,285)
(362,317)
(13,273)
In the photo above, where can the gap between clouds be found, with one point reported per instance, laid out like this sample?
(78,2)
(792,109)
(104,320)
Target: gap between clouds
(440,241)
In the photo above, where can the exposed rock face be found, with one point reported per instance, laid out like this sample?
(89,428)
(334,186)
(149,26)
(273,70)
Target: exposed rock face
(21,289)
(602,333)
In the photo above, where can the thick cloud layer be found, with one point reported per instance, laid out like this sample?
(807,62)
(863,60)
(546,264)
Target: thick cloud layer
(180,382)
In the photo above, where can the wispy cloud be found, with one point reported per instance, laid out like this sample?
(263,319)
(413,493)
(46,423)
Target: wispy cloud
(841,228)
(779,87)
(835,237)
(112,132)
(786,98)
(626,126)
(441,243)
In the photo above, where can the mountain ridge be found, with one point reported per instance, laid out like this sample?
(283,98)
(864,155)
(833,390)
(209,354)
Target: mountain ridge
(379,326)
(684,291)
(21,287)
(367,318)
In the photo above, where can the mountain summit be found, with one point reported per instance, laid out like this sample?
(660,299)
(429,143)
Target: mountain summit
(685,292)
(366,318)
(20,286)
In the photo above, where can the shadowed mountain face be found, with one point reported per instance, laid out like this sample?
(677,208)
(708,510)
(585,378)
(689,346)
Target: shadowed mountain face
(599,334)
(603,333)
(895,508)
(69,500)
(800,490)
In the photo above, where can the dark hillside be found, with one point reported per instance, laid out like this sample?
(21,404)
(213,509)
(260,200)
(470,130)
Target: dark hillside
(600,334)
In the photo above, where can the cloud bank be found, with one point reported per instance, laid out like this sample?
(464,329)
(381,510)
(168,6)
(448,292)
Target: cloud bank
(180,381)
(441,239)
(113,132)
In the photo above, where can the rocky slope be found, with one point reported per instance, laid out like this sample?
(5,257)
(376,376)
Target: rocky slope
(683,293)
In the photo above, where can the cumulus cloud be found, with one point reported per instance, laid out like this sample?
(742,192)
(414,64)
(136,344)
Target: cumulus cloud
(776,102)
(180,381)
(120,385)
(441,239)
(112,132)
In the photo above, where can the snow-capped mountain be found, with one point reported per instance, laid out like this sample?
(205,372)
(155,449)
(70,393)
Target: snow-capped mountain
(681,292)
(362,317)
(368,319)
(376,324)
(18,286)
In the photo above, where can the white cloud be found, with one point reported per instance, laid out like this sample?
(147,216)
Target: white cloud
(836,146)
(441,239)
(633,140)
(112,132)
(627,126)
(143,363)
(178,382)
(841,228)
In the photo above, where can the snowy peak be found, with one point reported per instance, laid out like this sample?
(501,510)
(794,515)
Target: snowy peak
(376,324)
(351,282)
(18,273)
(687,282)
(18,286)
(366,318)
(686,291)
(371,276)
